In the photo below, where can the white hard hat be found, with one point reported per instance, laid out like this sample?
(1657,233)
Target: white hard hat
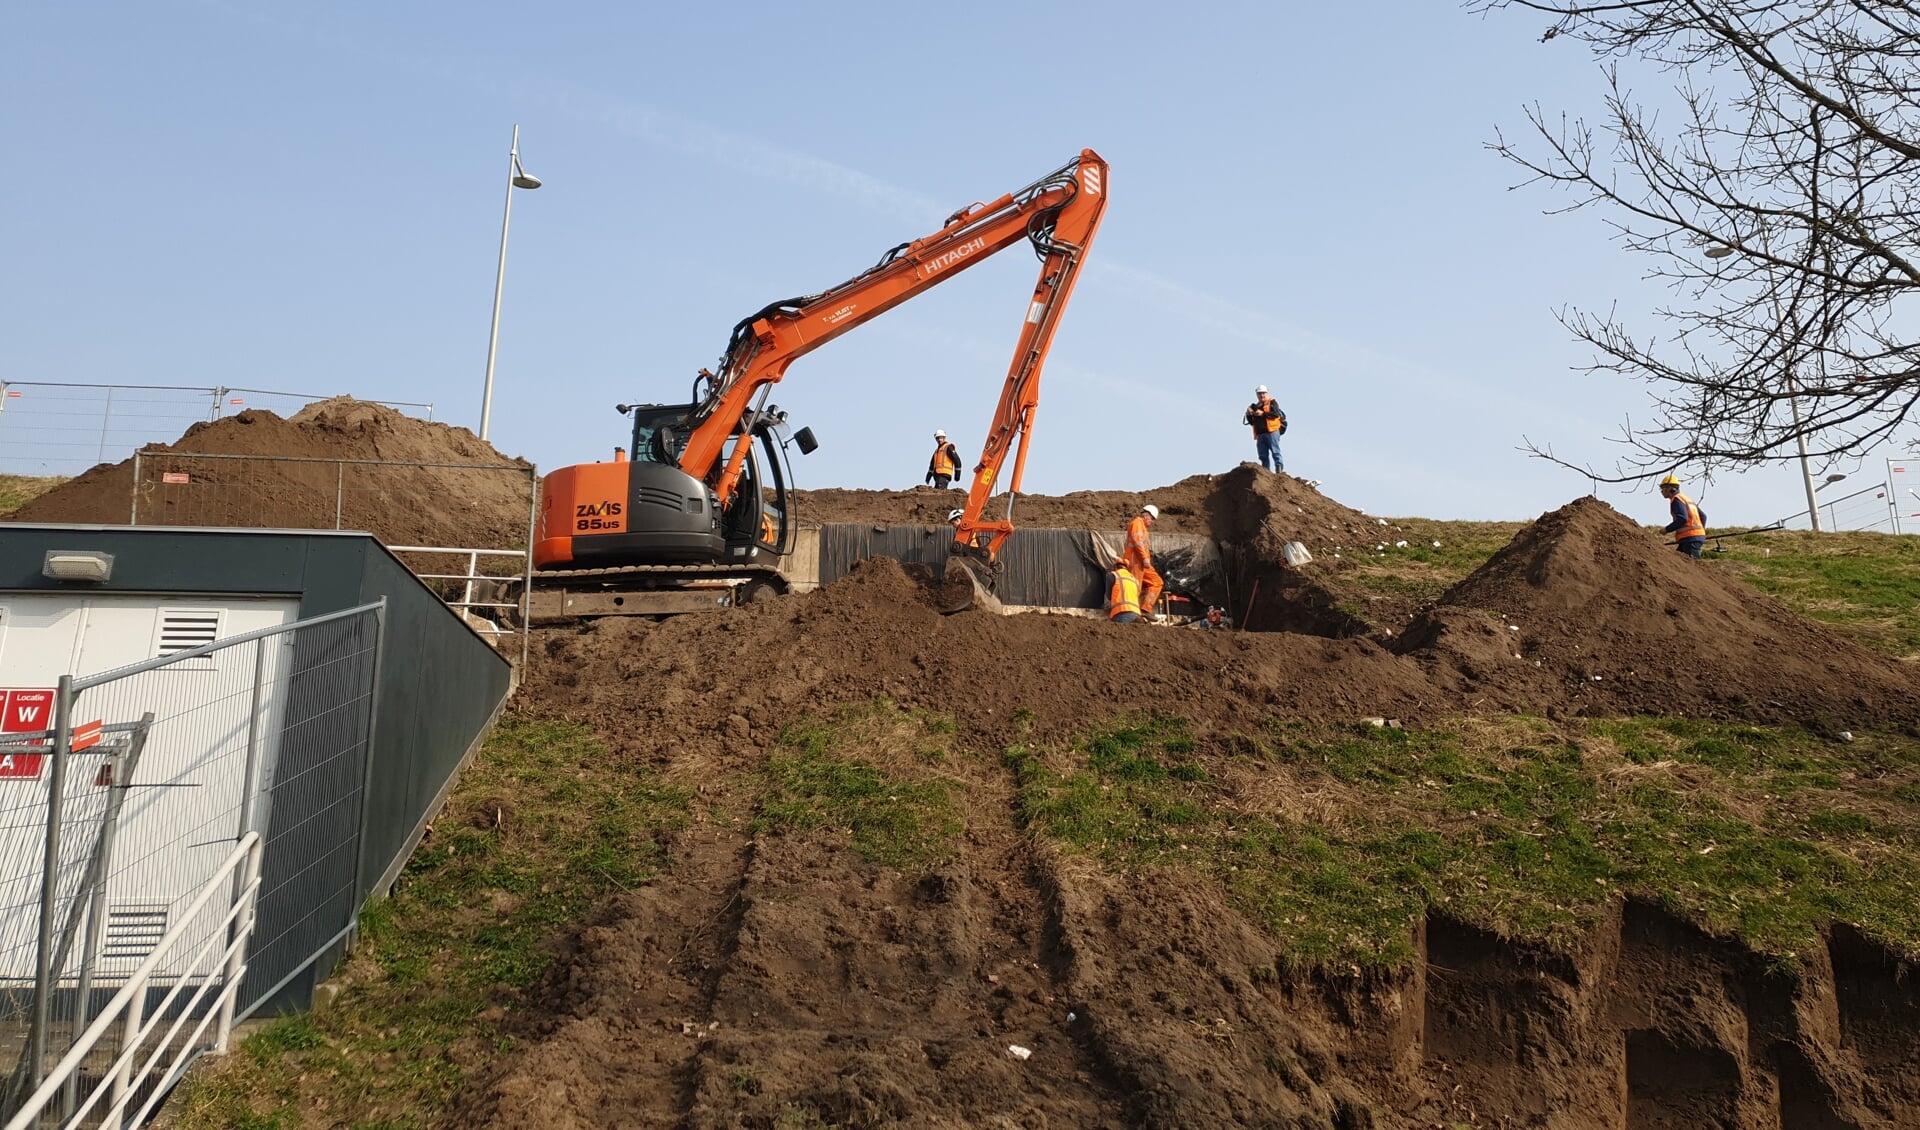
(954,515)
(1150,510)
(939,435)
(1260,390)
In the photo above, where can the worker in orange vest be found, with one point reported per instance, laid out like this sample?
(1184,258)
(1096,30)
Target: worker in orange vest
(1123,595)
(1689,525)
(944,467)
(1269,424)
(1139,558)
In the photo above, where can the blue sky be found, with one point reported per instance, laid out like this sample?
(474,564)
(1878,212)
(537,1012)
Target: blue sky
(307,196)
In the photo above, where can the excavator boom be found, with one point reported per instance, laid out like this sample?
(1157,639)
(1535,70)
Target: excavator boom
(599,514)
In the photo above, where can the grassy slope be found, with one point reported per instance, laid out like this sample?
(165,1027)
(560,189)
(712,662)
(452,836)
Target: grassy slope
(18,490)
(1867,585)
(1518,824)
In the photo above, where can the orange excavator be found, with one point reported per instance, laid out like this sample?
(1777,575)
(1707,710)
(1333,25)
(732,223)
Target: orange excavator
(702,512)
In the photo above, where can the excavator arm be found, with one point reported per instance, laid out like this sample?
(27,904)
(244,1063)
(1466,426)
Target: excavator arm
(1058,214)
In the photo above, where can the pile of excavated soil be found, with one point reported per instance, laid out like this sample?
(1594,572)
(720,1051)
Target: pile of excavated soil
(875,632)
(1245,502)
(1252,512)
(1586,612)
(767,976)
(401,505)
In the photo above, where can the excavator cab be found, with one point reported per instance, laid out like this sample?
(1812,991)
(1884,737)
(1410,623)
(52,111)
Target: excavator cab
(645,510)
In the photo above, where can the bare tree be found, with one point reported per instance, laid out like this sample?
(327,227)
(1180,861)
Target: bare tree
(1781,206)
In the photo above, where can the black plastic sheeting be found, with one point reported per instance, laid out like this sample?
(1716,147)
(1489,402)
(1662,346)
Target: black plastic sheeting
(1041,568)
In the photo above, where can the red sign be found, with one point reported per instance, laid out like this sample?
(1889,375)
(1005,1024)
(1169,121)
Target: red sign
(24,712)
(236,400)
(175,477)
(86,735)
(14,395)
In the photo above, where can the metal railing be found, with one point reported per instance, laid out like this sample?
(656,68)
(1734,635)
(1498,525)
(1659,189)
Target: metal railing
(307,492)
(473,582)
(64,427)
(154,774)
(134,1076)
(1869,508)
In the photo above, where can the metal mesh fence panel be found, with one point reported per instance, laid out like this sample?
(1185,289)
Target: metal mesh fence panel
(314,802)
(266,733)
(476,505)
(1870,508)
(462,528)
(65,427)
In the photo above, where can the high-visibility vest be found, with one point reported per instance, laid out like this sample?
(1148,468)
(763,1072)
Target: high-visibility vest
(1696,526)
(944,464)
(1139,551)
(1124,596)
(1273,422)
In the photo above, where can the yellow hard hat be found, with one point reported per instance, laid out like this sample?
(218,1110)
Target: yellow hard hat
(1672,480)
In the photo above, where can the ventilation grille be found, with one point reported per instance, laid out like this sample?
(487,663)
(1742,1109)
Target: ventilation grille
(184,628)
(659,497)
(133,931)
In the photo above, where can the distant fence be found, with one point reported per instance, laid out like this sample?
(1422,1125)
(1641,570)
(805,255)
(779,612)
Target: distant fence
(1903,494)
(298,492)
(169,808)
(65,427)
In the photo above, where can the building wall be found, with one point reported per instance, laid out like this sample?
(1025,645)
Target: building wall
(439,683)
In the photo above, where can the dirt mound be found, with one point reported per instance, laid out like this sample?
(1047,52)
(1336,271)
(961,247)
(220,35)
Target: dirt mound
(1183,507)
(1587,612)
(766,977)
(415,505)
(874,632)
(1245,503)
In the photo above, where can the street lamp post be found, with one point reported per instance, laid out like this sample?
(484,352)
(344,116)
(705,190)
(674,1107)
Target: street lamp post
(517,177)
(1721,251)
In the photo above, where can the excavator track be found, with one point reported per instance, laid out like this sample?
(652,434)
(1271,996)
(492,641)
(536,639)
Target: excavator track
(561,595)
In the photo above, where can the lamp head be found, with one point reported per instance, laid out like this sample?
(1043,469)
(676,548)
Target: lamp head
(521,177)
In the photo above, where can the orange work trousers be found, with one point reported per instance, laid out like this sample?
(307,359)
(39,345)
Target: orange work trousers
(1151,583)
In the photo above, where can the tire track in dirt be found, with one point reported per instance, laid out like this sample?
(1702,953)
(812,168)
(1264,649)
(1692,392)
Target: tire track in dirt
(864,996)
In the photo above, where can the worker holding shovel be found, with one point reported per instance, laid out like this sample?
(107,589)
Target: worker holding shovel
(1689,525)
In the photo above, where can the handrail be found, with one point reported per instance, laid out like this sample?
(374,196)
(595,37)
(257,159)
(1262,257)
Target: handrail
(246,850)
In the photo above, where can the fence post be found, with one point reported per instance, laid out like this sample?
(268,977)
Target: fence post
(243,926)
(122,767)
(248,786)
(106,420)
(49,879)
(339,491)
(129,1038)
(135,519)
(366,763)
(526,572)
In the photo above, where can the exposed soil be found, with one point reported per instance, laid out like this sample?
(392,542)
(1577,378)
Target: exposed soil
(769,980)
(1584,612)
(419,505)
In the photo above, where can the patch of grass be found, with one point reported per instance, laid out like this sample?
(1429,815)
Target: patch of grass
(1866,584)
(1420,572)
(1464,546)
(541,825)
(1502,824)
(833,778)
(18,490)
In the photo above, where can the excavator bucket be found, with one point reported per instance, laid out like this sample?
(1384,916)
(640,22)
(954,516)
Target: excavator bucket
(967,584)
